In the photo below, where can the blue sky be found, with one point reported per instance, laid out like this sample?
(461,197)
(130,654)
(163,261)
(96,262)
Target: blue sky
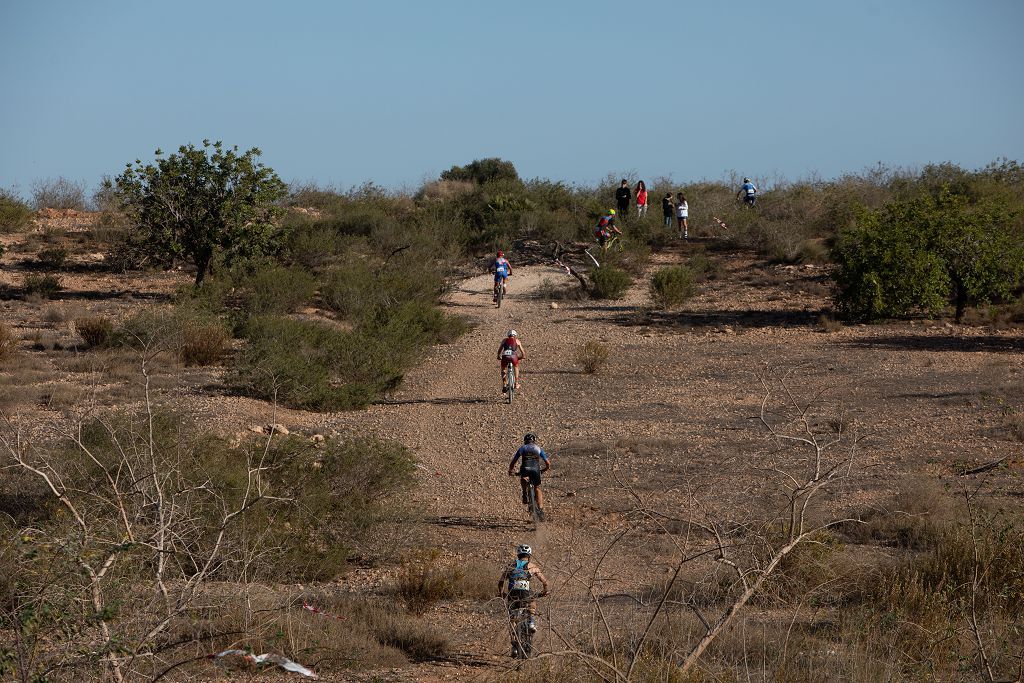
(395,92)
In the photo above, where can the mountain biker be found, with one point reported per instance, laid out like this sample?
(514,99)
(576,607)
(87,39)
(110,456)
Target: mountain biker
(749,192)
(502,269)
(605,227)
(510,351)
(533,461)
(514,586)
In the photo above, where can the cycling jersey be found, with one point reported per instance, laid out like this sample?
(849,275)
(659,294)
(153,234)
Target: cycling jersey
(502,268)
(530,456)
(749,189)
(509,348)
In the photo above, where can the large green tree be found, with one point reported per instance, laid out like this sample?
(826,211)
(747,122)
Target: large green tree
(203,204)
(927,252)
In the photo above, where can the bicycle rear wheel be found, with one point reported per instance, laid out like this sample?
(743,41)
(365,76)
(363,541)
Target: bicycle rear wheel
(523,634)
(510,381)
(500,294)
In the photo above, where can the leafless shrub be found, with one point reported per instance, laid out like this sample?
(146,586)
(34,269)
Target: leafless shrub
(592,356)
(96,331)
(58,193)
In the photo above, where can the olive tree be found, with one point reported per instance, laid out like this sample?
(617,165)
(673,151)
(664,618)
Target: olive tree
(202,204)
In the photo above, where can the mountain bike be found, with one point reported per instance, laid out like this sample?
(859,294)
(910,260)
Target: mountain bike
(530,494)
(522,643)
(499,292)
(509,375)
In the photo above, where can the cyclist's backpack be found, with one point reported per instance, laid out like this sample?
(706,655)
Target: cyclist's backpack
(519,576)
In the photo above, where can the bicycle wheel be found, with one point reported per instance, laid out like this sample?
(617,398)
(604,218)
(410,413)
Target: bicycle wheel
(510,380)
(523,634)
(500,294)
(531,497)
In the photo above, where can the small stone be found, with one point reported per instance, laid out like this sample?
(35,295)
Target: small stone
(554,306)
(317,439)
(276,429)
(258,429)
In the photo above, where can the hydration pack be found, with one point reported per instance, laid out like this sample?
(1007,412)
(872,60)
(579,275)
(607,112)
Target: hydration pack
(519,576)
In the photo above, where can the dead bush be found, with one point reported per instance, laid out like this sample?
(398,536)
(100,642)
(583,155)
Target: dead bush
(424,580)
(52,258)
(96,331)
(592,356)
(827,323)
(204,343)
(8,342)
(42,286)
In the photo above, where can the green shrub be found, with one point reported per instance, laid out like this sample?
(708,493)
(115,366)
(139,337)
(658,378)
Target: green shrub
(338,493)
(592,356)
(278,289)
(926,252)
(298,363)
(672,286)
(609,282)
(15,215)
(96,330)
(52,258)
(45,286)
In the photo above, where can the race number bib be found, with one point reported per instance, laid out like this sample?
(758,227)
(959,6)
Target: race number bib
(521,585)
(508,353)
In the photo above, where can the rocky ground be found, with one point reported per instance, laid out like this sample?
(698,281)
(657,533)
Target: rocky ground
(672,418)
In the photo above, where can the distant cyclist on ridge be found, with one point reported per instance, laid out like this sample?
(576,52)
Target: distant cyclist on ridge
(748,191)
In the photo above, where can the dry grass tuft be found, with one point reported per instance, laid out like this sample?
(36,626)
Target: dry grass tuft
(592,356)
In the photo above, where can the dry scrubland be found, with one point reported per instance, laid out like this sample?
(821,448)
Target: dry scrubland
(745,483)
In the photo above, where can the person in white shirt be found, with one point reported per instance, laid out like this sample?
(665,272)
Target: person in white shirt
(682,214)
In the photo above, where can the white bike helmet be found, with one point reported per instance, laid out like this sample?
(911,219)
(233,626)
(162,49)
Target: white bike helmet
(512,333)
(524,550)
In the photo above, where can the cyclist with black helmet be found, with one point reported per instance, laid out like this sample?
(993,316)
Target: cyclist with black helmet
(748,191)
(514,585)
(533,461)
(502,269)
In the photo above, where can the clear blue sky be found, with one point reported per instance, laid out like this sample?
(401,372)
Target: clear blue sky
(343,92)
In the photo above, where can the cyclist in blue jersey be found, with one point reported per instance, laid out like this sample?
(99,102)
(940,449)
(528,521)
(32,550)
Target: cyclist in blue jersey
(514,586)
(748,191)
(533,461)
(502,269)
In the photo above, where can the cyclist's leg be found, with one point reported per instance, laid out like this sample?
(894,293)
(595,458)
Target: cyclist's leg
(504,284)
(524,480)
(515,369)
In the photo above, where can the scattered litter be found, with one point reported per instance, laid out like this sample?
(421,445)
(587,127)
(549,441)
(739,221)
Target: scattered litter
(316,610)
(251,659)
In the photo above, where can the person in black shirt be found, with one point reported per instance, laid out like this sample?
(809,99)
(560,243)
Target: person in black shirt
(668,210)
(623,197)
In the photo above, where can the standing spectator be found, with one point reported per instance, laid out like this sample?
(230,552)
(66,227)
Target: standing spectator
(641,199)
(668,209)
(749,192)
(683,213)
(622,198)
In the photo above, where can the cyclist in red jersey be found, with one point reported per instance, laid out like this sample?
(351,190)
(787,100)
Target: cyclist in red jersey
(510,351)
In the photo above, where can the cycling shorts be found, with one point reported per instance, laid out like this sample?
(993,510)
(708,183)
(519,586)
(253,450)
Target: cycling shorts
(514,360)
(750,199)
(519,599)
(500,275)
(532,475)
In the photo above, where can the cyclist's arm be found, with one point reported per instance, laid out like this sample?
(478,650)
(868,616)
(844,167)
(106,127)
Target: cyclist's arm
(546,460)
(522,351)
(512,464)
(535,571)
(502,582)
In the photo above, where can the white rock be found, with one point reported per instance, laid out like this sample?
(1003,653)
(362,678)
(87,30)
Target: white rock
(276,429)
(257,429)
(554,306)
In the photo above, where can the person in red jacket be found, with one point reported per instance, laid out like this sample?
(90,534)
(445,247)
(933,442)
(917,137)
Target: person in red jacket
(641,199)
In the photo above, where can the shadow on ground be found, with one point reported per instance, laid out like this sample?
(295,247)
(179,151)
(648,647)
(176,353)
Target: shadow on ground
(925,342)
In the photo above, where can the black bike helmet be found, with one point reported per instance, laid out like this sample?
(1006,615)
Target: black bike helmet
(530,438)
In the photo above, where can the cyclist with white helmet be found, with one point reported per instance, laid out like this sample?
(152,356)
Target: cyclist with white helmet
(516,587)
(533,462)
(510,351)
(748,191)
(502,269)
